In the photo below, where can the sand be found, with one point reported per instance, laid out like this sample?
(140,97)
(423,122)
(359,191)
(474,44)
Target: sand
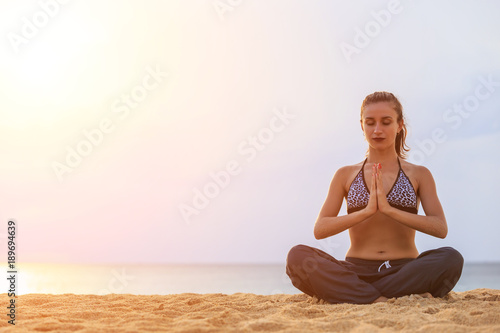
(471,311)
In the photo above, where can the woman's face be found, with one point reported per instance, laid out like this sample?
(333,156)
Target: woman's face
(380,121)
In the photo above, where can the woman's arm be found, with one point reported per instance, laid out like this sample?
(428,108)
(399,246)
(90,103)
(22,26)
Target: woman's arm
(434,221)
(328,223)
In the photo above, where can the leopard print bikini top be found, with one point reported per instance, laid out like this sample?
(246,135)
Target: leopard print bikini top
(402,194)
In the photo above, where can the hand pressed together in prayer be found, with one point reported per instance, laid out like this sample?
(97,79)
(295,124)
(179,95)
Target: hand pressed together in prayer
(377,202)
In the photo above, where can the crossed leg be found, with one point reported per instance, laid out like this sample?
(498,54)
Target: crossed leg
(432,274)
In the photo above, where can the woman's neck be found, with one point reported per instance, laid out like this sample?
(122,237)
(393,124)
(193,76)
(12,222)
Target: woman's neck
(382,157)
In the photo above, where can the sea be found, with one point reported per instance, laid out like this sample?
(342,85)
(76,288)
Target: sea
(263,279)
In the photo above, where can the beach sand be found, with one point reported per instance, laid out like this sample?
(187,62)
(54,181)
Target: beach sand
(471,311)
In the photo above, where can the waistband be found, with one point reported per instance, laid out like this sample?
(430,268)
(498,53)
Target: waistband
(366,262)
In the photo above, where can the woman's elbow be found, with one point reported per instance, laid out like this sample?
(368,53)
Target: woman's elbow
(443,232)
(318,234)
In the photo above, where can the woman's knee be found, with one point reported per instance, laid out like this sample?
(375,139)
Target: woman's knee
(304,260)
(455,264)
(452,258)
(450,265)
(445,261)
(298,254)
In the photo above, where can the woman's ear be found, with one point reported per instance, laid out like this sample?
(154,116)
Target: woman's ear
(400,127)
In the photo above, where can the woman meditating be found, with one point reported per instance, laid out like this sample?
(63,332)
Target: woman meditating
(383,194)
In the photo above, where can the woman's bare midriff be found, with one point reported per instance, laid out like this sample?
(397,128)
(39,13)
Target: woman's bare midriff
(382,238)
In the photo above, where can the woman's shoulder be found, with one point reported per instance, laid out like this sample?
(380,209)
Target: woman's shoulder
(418,174)
(347,173)
(347,169)
(414,168)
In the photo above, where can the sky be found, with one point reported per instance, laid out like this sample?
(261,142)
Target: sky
(207,131)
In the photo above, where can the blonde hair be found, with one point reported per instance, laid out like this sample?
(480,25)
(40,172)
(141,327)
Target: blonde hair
(384,96)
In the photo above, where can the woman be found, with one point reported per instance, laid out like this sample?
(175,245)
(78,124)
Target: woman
(382,261)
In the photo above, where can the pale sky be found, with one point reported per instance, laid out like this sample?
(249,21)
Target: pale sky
(113,115)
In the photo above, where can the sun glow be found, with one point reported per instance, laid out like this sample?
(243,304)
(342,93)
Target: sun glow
(49,75)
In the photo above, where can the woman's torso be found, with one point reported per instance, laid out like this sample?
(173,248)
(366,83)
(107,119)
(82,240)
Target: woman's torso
(380,237)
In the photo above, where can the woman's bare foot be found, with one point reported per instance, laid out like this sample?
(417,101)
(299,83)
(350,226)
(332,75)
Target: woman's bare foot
(426,295)
(380,299)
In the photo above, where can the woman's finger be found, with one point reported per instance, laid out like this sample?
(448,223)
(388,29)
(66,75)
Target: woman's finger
(378,179)
(374,177)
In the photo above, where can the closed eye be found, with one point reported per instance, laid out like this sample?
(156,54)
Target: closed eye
(371,124)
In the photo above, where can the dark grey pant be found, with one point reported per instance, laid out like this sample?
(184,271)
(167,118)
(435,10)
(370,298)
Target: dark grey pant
(361,281)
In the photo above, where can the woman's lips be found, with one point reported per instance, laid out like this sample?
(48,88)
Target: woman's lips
(379,139)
